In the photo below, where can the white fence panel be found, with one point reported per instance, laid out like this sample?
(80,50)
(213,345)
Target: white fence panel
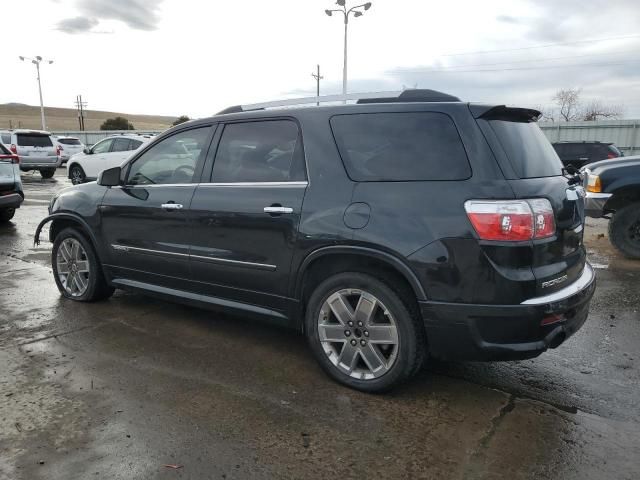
(623,133)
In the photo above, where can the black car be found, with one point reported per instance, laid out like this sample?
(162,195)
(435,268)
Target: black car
(11,194)
(386,230)
(580,154)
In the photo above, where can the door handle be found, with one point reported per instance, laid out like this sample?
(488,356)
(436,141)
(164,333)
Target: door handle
(277,209)
(171,206)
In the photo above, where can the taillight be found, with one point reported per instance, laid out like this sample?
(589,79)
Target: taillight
(612,155)
(58,150)
(13,148)
(13,158)
(594,184)
(511,220)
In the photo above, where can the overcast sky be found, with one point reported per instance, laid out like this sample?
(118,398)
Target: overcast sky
(196,57)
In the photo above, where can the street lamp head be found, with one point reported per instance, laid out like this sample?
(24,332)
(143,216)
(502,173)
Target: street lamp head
(39,58)
(357,13)
(328,12)
(34,62)
(341,2)
(50,62)
(21,58)
(367,5)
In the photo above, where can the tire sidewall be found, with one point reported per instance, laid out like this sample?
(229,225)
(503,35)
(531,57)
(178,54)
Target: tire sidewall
(94,269)
(47,173)
(618,229)
(6,214)
(407,337)
(81,178)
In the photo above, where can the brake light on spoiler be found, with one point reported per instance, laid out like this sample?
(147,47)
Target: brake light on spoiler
(511,220)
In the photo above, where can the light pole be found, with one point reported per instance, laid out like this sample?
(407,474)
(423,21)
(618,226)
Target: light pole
(356,13)
(36,61)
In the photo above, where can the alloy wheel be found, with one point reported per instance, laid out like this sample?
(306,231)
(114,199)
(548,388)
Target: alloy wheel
(358,334)
(73,267)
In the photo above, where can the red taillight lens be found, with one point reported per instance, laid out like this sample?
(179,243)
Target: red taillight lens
(13,158)
(611,155)
(58,150)
(13,148)
(511,220)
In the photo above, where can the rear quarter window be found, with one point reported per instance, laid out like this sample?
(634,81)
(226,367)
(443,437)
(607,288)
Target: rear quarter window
(6,138)
(69,141)
(410,146)
(33,140)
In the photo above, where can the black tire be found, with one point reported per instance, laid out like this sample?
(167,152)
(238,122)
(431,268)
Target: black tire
(624,230)
(6,214)
(47,172)
(411,346)
(97,288)
(77,175)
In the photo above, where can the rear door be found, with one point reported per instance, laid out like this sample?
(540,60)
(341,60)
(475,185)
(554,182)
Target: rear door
(534,171)
(245,219)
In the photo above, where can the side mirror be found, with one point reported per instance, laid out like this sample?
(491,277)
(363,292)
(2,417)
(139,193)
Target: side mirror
(87,151)
(110,177)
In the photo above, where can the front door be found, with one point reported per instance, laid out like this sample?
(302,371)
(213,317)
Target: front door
(145,222)
(245,221)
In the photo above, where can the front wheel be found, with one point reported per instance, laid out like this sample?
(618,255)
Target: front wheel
(624,230)
(77,175)
(47,172)
(76,269)
(363,333)
(7,214)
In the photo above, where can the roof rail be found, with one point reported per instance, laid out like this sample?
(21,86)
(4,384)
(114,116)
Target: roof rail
(413,95)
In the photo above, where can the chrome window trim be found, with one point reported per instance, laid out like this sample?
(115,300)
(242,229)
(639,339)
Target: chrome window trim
(255,184)
(585,279)
(225,261)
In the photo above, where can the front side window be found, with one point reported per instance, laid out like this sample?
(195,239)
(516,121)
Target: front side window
(264,151)
(411,146)
(172,160)
(103,146)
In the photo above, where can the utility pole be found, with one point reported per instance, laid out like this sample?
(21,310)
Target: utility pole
(36,61)
(80,106)
(318,77)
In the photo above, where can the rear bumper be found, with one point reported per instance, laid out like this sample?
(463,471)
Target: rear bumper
(594,204)
(27,163)
(12,200)
(458,331)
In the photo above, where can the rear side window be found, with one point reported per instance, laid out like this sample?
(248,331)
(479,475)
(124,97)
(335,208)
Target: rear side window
(134,144)
(266,151)
(6,138)
(69,141)
(120,145)
(411,146)
(33,140)
(530,153)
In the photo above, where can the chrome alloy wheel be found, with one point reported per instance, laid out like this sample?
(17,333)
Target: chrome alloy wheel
(358,334)
(72,264)
(76,176)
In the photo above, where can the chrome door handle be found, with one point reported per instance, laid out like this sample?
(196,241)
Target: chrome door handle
(278,210)
(171,206)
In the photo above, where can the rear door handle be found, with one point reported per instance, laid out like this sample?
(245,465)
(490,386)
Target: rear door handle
(278,209)
(171,206)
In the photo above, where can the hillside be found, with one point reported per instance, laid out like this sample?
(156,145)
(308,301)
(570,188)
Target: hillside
(28,116)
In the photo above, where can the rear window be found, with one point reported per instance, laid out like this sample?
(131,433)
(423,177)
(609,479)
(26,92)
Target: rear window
(33,140)
(530,153)
(411,146)
(69,141)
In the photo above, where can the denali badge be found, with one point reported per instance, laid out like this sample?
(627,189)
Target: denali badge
(555,281)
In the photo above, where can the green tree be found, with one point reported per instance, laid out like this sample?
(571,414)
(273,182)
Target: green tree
(181,119)
(117,123)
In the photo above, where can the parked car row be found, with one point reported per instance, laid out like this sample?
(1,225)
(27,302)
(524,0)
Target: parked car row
(583,153)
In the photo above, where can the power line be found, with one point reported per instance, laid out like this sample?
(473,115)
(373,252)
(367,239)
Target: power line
(318,77)
(575,42)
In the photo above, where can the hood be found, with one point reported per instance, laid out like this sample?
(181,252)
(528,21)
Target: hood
(604,165)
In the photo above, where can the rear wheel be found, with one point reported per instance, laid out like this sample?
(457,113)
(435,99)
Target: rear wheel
(47,172)
(362,333)
(76,269)
(77,174)
(6,214)
(624,230)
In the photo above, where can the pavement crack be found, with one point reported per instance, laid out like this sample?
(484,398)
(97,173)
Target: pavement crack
(56,335)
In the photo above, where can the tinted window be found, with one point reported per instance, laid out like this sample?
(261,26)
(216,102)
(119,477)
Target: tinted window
(103,146)
(6,138)
(615,150)
(120,145)
(33,140)
(400,147)
(134,144)
(172,160)
(527,148)
(4,150)
(268,151)
(69,141)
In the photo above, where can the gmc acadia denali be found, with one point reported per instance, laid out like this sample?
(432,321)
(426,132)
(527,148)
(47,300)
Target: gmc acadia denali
(387,230)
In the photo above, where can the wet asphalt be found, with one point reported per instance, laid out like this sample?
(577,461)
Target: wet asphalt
(136,388)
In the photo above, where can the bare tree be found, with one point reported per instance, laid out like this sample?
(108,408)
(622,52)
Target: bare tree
(547,114)
(596,109)
(568,100)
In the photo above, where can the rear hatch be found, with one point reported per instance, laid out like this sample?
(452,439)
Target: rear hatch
(8,171)
(36,147)
(533,170)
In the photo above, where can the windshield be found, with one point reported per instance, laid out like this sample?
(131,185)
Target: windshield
(530,153)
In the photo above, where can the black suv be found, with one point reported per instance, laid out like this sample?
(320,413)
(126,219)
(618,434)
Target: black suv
(386,230)
(580,154)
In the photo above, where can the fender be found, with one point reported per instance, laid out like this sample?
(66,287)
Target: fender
(72,217)
(393,261)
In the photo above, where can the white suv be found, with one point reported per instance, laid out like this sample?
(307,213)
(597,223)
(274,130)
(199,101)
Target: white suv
(68,147)
(35,148)
(107,153)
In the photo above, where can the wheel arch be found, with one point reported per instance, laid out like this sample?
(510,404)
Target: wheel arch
(60,221)
(623,196)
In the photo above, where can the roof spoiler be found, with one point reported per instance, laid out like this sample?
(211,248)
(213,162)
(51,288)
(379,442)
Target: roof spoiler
(502,112)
